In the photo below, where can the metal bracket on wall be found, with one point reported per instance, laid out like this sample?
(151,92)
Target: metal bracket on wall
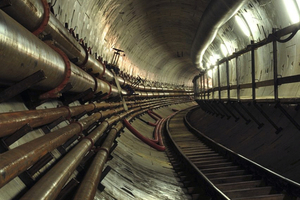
(228,110)
(240,113)
(287,115)
(220,109)
(260,125)
(22,85)
(278,129)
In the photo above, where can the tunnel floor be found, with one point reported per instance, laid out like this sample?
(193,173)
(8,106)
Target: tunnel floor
(139,171)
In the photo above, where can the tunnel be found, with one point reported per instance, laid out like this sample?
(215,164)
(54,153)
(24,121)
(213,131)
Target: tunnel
(93,93)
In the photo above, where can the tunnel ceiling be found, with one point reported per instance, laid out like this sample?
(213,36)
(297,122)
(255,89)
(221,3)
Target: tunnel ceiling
(156,35)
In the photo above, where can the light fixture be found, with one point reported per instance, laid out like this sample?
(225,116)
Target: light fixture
(213,59)
(209,73)
(292,10)
(224,50)
(243,25)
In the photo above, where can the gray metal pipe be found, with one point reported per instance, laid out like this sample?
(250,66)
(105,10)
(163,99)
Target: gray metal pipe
(34,12)
(215,15)
(31,55)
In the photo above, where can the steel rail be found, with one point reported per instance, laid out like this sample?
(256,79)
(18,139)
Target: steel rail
(271,177)
(210,187)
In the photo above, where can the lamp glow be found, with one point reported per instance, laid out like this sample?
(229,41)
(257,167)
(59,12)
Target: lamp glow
(292,10)
(243,25)
(209,73)
(224,50)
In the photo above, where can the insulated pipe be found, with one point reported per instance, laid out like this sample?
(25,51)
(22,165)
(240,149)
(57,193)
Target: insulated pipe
(214,16)
(35,11)
(31,55)
(88,186)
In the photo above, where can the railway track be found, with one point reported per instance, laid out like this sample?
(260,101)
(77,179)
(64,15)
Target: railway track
(211,171)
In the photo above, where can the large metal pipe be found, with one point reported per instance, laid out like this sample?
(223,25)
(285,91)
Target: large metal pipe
(31,55)
(214,16)
(34,12)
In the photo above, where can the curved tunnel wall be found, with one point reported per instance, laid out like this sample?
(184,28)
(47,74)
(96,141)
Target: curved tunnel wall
(261,17)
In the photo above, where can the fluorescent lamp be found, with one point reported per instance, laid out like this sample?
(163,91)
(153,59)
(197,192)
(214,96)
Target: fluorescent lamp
(292,10)
(243,25)
(209,73)
(224,50)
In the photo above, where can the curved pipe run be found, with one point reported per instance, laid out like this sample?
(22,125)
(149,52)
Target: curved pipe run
(143,138)
(216,14)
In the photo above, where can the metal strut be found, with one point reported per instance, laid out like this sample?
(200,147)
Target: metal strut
(278,129)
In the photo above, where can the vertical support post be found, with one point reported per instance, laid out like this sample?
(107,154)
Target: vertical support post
(227,77)
(275,63)
(219,84)
(207,85)
(237,79)
(204,88)
(201,87)
(212,84)
(253,70)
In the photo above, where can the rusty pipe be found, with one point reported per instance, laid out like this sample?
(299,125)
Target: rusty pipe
(17,160)
(13,121)
(49,186)
(88,186)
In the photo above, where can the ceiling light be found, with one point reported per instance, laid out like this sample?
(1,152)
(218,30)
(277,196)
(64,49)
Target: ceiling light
(224,50)
(213,59)
(243,25)
(292,10)
(209,73)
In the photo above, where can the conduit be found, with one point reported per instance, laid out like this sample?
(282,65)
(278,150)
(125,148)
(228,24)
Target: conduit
(17,160)
(88,186)
(215,15)
(13,121)
(143,138)
(49,186)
